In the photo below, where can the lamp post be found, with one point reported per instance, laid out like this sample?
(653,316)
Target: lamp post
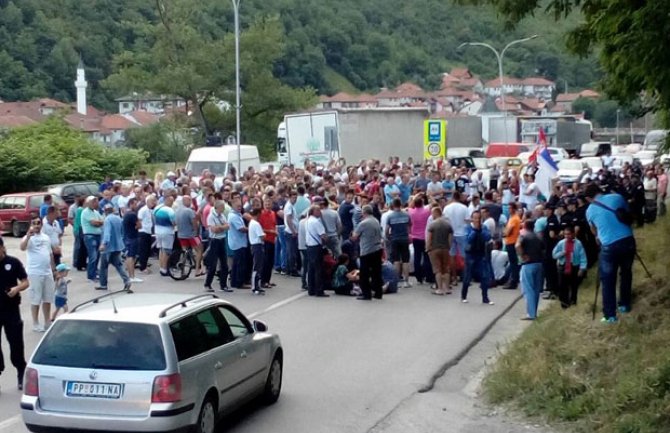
(236,11)
(499,56)
(618,111)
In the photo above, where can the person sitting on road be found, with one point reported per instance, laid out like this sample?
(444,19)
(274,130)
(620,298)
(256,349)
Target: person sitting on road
(343,279)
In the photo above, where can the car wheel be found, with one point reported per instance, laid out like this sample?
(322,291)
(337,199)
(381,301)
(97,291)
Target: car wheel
(273,382)
(207,417)
(16,229)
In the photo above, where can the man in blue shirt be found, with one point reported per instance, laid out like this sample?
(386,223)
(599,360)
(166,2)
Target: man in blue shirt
(237,241)
(111,247)
(391,190)
(617,249)
(405,189)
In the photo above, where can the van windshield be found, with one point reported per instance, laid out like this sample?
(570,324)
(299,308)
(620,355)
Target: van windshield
(217,167)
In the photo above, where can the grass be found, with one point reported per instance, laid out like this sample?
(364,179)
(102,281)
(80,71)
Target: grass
(583,376)
(338,82)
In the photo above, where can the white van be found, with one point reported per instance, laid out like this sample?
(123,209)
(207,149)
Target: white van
(220,159)
(595,148)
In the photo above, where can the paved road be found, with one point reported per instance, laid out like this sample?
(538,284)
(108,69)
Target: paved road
(348,363)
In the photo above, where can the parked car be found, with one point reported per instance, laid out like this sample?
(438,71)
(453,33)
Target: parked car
(67,191)
(474,152)
(620,161)
(571,170)
(595,148)
(149,362)
(462,161)
(18,209)
(509,163)
(645,157)
(594,163)
(509,150)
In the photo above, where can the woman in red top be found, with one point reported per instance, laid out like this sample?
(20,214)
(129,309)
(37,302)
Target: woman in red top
(268,221)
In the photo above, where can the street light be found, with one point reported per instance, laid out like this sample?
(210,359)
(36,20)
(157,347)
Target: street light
(236,11)
(499,56)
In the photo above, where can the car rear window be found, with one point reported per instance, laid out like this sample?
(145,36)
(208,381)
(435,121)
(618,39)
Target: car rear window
(102,345)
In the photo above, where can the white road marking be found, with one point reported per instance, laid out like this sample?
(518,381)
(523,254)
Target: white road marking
(10,422)
(17,418)
(277,305)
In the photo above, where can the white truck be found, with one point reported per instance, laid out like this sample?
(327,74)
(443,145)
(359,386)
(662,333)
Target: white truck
(353,134)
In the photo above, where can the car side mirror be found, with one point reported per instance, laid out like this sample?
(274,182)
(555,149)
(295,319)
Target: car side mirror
(260,326)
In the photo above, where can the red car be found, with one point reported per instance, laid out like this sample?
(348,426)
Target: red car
(18,209)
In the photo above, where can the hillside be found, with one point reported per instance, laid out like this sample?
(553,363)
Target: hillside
(595,378)
(369,43)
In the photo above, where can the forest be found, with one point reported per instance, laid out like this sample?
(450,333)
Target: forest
(326,45)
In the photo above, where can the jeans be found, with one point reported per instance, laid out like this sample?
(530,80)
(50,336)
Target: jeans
(239,268)
(617,257)
(113,258)
(531,285)
(11,321)
(143,249)
(268,262)
(92,243)
(314,270)
(476,266)
(371,274)
(291,253)
(422,268)
(303,275)
(258,257)
(217,255)
(280,249)
(514,266)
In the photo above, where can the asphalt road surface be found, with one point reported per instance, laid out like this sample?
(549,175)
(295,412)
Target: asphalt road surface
(348,365)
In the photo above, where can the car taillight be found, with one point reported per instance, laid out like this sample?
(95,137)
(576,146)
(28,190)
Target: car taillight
(31,385)
(166,389)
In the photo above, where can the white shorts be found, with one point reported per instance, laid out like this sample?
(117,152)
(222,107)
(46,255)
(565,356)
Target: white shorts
(41,289)
(165,242)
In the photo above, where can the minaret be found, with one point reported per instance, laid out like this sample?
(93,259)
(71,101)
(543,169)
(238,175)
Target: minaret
(81,86)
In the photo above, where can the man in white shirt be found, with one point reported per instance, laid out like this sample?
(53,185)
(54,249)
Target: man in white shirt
(500,266)
(144,240)
(315,239)
(39,267)
(457,215)
(291,221)
(529,192)
(51,228)
(256,240)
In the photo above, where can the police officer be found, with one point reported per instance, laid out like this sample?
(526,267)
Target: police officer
(551,237)
(13,280)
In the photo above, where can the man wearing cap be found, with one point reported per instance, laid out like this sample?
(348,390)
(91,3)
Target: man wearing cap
(91,227)
(369,233)
(111,247)
(170,182)
(13,281)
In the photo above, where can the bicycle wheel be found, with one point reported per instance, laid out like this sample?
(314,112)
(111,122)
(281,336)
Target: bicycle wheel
(181,268)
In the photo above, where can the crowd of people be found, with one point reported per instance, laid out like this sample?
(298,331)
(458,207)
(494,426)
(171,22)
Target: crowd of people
(360,230)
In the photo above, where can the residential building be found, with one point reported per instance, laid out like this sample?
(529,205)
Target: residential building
(155,104)
(564,101)
(345,100)
(536,87)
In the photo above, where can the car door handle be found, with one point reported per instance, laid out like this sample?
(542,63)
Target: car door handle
(218,366)
(243,354)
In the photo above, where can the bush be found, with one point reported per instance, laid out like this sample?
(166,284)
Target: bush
(51,152)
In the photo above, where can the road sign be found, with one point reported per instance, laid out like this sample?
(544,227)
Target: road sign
(435,139)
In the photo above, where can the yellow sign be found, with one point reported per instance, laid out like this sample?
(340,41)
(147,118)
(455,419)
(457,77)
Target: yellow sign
(434,139)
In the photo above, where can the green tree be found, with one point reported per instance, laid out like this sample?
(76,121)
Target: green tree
(64,155)
(166,141)
(586,106)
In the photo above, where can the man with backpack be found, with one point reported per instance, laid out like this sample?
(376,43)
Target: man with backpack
(610,220)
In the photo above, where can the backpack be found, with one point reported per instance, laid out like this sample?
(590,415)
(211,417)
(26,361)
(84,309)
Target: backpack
(622,214)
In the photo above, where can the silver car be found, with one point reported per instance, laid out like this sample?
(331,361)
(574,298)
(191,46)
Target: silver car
(149,362)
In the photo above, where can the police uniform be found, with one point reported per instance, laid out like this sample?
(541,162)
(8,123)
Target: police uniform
(11,273)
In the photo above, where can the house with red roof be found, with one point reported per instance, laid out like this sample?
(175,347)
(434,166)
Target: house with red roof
(345,100)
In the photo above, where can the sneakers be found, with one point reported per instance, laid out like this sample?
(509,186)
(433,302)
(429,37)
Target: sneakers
(209,289)
(136,280)
(225,289)
(623,309)
(407,285)
(100,288)
(464,301)
(258,292)
(38,328)
(489,303)
(126,286)
(609,320)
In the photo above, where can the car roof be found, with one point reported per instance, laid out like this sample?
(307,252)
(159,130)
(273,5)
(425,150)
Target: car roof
(83,182)
(25,194)
(123,306)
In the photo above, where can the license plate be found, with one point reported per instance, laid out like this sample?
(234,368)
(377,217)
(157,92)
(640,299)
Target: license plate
(95,390)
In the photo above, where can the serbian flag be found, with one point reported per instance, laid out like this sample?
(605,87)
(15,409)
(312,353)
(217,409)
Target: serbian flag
(541,144)
(547,170)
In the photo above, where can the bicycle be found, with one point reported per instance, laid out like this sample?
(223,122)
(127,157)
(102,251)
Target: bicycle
(181,262)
